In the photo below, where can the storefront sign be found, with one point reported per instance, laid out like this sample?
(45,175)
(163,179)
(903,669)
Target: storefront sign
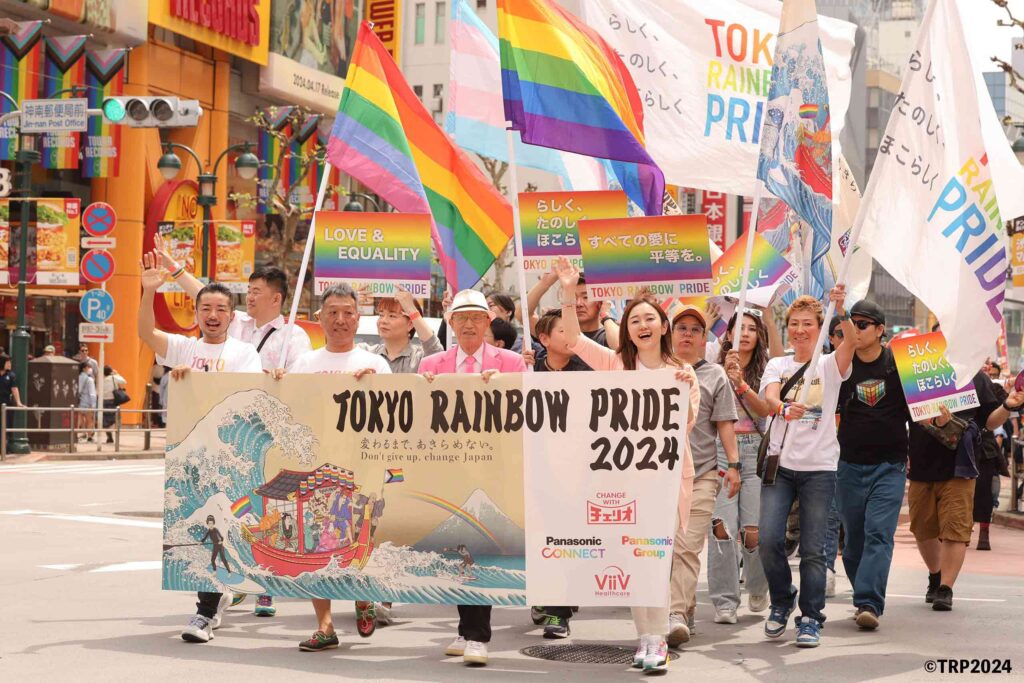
(174,202)
(241,27)
(386,17)
(235,256)
(301,84)
(53,235)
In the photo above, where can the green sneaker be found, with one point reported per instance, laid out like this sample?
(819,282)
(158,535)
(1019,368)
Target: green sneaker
(556,627)
(265,606)
(319,641)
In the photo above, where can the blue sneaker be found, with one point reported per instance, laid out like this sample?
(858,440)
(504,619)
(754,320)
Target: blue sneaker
(778,618)
(808,632)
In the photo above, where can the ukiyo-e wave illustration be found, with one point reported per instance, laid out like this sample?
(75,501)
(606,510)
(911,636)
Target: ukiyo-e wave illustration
(258,500)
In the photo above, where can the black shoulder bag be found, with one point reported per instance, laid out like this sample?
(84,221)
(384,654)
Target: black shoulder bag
(768,465)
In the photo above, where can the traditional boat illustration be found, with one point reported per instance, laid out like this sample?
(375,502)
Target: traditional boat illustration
(310,518)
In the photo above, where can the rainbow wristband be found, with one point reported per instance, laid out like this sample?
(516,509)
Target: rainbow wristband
(178,273)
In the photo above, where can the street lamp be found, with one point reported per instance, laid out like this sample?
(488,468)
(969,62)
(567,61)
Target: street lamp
(169,165)
(353,205)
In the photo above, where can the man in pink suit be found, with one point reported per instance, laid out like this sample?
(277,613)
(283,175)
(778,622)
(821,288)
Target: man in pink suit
(469,317)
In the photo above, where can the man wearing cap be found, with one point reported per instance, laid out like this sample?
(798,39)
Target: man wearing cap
(469,318)
(715,421)
(872,471)
(49,351)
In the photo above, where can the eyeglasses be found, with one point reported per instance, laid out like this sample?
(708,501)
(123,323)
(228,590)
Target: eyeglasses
(863,324)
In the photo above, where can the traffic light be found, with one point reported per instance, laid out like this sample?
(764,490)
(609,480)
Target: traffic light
(152,112)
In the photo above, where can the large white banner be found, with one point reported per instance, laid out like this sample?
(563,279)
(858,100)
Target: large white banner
(703,70)
(930,215)
(601,497)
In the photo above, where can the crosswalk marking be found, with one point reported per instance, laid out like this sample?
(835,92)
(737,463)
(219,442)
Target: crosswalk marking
(86,468)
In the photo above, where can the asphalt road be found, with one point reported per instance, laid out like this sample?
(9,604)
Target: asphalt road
(80,582)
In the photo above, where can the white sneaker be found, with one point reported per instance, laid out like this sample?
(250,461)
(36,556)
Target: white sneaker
(383,615)
(757,603)
(725,616)
(218,617)
(198,630)
(830,583)
(475,653)
(641,652)
(656,661)
(678,631)
(457,647)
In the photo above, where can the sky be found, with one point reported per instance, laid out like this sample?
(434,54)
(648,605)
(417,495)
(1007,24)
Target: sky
(984,38)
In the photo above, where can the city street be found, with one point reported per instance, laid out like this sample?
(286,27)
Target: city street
(81,587)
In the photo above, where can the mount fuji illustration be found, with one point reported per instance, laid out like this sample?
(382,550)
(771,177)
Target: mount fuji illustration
(510,537)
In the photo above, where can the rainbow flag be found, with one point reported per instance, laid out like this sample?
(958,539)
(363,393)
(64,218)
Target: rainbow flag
(396,476)
(21,60)
(104,77)
(242,507)
(63,67)
(565,87)
(304,176)
(384,137)
(808,111)
(272,151)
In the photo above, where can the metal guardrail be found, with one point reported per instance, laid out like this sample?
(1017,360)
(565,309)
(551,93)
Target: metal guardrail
(73,430)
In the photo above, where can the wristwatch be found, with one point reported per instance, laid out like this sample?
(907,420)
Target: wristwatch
(606,319)
(738,466)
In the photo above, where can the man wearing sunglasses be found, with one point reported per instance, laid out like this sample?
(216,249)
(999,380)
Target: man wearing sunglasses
(872,473)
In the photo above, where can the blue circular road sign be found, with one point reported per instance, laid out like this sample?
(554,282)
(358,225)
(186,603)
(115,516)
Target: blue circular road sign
(96,306)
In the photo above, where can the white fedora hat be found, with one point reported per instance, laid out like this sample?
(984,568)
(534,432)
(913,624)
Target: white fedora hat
(468,300)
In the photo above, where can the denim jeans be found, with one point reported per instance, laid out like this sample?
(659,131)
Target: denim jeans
(736,513)
(832,535)
(870,497)
(815,491)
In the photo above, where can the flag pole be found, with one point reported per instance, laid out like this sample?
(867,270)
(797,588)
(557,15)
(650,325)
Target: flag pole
(518,236)
(751,231)
(310,238)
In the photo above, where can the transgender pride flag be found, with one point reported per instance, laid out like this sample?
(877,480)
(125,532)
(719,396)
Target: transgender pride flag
(476,114)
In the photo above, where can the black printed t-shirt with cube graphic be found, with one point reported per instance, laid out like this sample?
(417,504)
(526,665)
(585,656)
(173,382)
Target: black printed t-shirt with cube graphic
(873,413)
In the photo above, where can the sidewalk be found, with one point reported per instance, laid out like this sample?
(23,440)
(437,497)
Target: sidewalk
(131,447)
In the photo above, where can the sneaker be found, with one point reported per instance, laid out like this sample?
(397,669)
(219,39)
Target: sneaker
(198,630)
(384,615)
(218,617)
(678,631)
(457,648)
(656,660)
(265,606)
(943,599)
(830,583)
(556,627)
(319,641)
(366,619)
(866,618)
(778,618)
(641,652)
(808,632)
(237,599)
(475,653)
(757,603)
(538,615)
(933,585)
(725,616)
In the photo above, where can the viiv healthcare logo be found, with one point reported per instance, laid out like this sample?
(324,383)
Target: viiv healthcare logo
(611,508)
(612,582)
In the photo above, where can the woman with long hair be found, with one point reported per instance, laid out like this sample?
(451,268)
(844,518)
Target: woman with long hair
(737,517)
(646,344)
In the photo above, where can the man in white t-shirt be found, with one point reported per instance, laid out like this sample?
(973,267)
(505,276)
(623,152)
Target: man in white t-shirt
(339,319)
(261,324)
(803,436)
(214,352)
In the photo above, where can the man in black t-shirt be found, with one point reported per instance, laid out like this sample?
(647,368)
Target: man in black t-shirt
(872,471)
(941,504)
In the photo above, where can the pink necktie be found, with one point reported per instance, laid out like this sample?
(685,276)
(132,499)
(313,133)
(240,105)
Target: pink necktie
(469,365)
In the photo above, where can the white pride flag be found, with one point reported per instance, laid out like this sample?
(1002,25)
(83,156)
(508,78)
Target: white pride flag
(930,215)
(703,70)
